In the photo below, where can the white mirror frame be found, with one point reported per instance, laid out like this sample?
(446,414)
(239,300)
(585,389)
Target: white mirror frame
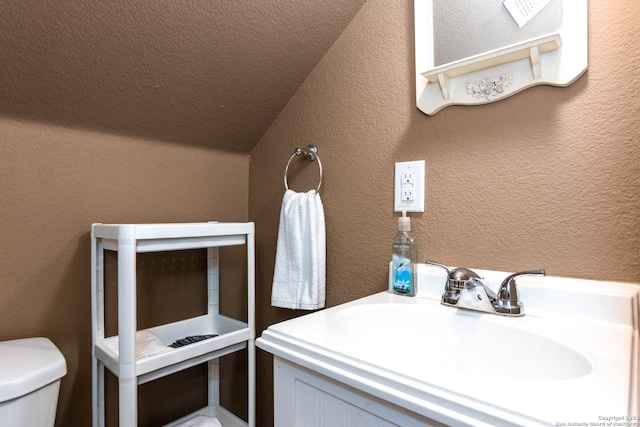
(553,59)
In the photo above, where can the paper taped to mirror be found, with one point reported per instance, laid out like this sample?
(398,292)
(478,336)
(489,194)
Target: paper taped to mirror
(523,10)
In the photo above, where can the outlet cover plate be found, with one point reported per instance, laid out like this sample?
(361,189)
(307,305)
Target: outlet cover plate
(409,186)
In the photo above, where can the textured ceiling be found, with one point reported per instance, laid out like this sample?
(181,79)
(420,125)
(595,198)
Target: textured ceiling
(206,72)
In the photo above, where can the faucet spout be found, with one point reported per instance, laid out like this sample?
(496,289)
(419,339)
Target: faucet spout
(477,296)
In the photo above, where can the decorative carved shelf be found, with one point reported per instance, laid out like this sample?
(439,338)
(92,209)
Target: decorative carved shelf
(532,50)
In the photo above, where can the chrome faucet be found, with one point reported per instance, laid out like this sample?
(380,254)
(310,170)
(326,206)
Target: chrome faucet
(464,289)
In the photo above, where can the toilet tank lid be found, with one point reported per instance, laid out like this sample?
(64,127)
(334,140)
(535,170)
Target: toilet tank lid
(27,365)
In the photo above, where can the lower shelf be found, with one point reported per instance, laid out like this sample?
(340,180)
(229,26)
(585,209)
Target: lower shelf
(226,418)
(232,336)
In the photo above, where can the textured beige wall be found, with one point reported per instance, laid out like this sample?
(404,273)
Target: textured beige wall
(549,178)
(213,73)
(54,183)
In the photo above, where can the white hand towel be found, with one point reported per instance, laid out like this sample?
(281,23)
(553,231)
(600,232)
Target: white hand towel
(147,344)
(300,272)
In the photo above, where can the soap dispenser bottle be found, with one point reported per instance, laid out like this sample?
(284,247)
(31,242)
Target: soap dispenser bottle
(404,257)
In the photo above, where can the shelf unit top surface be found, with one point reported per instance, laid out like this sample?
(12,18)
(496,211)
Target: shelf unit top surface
(172,230)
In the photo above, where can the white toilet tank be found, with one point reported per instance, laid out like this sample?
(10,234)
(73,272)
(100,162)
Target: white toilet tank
(30,373)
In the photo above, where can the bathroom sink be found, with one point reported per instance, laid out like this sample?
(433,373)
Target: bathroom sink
(456,342)
(573,356)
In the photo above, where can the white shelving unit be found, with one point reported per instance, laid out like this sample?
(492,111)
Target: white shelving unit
(233,335)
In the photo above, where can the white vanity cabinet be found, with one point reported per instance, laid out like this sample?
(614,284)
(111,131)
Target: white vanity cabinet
(232,334)
(303,397)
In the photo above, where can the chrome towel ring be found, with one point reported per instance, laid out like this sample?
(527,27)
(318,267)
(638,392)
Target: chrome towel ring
(310,152)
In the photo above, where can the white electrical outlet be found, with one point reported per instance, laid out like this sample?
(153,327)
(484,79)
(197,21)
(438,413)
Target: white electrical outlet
(409,186)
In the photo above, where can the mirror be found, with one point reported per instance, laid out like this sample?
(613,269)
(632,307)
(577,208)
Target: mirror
(479,51)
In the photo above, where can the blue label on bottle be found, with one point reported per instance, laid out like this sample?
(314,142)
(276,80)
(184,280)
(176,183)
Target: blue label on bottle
(401,274)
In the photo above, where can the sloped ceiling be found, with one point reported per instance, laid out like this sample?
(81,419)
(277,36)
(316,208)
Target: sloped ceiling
(206,72)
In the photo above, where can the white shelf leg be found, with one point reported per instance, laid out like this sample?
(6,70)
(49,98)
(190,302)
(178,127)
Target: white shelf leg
(251,302)
(213,281)
(127,322)
(97,327)
(97,393)
(213,307)
(214,382)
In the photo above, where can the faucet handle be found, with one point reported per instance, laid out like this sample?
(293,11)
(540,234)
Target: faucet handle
(507,302)
(437,264)
(450,295)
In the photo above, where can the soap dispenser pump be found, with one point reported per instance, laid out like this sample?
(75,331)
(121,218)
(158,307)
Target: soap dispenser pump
(404,257)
